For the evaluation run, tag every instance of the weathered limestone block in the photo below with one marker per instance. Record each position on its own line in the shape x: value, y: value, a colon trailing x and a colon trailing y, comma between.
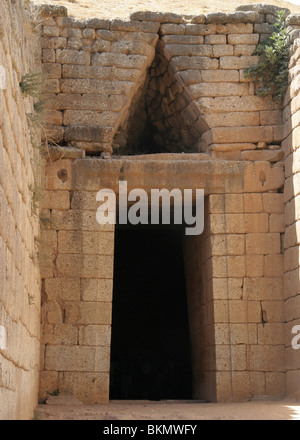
x: 196, y: 62
x: 97, y: 23
x: 172, y: 29
x: 62, y: 289
x: 134, y: 25
x: 86, y: 387
x: 273, y: 203
x: 121, y: 60
x: 104, y: 118
x: 48, y: 56
x: 71, y: 32
x: 53, y: 11
x: 231, y: 244
x: 58, y: 175
x: 200, y: 29
x: 53, y: 42
x: 94, y: 72
x: 233, y: 28
x: 222, y: 50
x: 190, y: 76
x: 50, y: 31
x: 97, y: 102
x: 268, y: 243
x: 94, y: 86
x: 96, y: 290
x: 233, y: 119
x: 218, y: 89
x: 217, y: 17
x: 262, y: 8
x: 87, y: 133
x: 161, y: 17
x: 56, y: 200
x: 271, y: 156
x: 52, y: 70
x: 243, y: 49
x: 234, y: 103
x: 67, y: 56
x: 91, y: 266
x: 172, y: 50
x: 77, y: 358
x: 245, y: 17
x: 70, y: 22
x: 273, y: 265
x: 243, y: 134
x: 98, y: 335
x: 219, y: 76
x: 251, y: 39
x: 262, y: 176
x: 257, y: 222
x: 75, y: 242
x: 183, y: 39
x: 215, y: 39
x: 132, y: 48
x: 237, y: 63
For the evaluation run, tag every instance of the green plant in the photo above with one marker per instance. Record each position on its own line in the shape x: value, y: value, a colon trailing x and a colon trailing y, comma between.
x: 31, y: 84
x: 271, y: 73
x: 54, y: 393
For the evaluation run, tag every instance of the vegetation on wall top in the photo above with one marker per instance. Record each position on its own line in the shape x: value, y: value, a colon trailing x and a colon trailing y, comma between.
x: 271, y: 73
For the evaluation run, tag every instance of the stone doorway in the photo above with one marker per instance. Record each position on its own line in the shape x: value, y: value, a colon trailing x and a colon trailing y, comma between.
x: 150, y: 349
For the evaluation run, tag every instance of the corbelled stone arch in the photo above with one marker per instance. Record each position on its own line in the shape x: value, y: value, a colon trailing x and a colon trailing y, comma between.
x: 162, y: 116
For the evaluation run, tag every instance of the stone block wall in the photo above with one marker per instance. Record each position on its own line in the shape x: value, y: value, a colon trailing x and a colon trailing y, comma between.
x: 247, y: 291
x: 198, y: 272
x: 77, y: 274
x: 19, y: 228
x: 291, y: 194
x: 109, y: 80
x: 155, y: 83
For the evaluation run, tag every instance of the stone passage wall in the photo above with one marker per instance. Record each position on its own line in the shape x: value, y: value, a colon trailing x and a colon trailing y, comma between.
x: 19, y: 275
x: 77, y: 274
x: 170, y: 77
x: 198, y: 254
x: 291, y: 114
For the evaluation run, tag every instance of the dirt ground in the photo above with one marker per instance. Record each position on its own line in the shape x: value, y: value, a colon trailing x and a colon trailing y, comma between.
x: 123, y: 8
x: 66, y: 408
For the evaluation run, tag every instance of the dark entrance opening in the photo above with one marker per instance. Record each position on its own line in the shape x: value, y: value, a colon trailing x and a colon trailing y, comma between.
x: 150, y: 349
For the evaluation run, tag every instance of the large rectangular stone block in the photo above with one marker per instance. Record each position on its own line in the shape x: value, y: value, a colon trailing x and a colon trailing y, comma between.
x: 95, y: 86
x: 218, y: 89
x: 263, y: 243
x: 68, y: 56
x: 220, y: 76
x: 172, y: 50
x: 97, y: 243
x: 233, y: 104
x: 86, y: 117
x: 62, y: 289
x: 87, y: 266
x: 263, y: 288
x: 96, y: 290
x: 120, y: 60
x: 196, y: 62
x: 243, y: 134
x: 89, y: 388
x: 68, y: 358
x: 98, y: 72
x: 98, y: 335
